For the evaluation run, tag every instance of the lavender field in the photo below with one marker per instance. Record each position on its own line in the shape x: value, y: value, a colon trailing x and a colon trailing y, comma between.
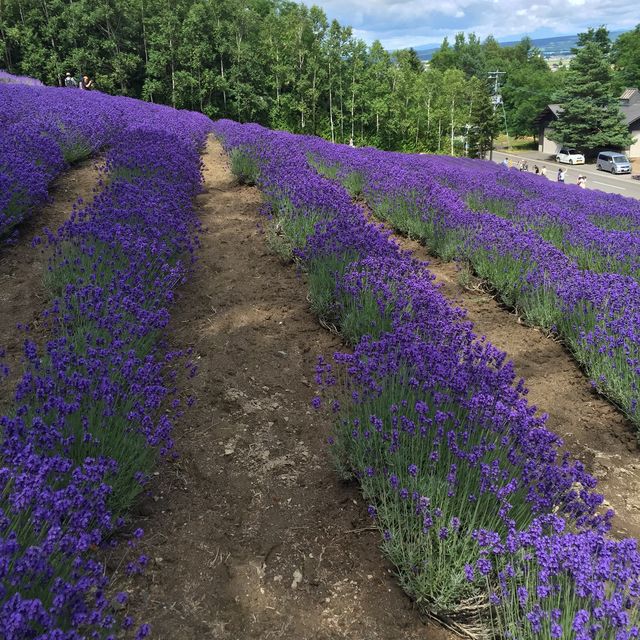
x: 491, y: 526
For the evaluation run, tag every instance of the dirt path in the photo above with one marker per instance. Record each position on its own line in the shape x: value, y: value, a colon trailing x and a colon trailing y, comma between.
x: 249, y: 533
x: 22, y: 293
x: 593, y: 430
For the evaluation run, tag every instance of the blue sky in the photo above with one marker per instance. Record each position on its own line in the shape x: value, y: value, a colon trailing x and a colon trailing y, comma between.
x: 410, y: 23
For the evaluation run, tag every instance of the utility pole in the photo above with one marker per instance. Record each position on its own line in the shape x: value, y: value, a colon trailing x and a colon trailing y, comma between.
x: 496, y: 99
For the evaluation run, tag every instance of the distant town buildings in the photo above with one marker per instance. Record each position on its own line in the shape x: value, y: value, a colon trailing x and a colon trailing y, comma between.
x: 556, y: 62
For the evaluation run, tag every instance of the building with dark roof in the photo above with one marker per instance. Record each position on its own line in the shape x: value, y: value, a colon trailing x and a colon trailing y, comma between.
x: 629, y: 106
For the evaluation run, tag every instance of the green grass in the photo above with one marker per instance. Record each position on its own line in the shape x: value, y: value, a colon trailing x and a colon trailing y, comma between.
x: 515, y: 144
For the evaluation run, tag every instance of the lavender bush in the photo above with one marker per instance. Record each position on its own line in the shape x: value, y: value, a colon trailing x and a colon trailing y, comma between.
x: 9, y: 78
x: 43, y: 130
x: 553, y: 583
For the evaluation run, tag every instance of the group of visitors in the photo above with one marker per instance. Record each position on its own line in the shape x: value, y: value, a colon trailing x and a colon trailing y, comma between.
x: 86, y: 82
x: 523, y: 165
x: 582, y: 180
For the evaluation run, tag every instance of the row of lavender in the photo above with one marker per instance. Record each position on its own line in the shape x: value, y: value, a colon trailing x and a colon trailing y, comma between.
x: 42, y: 131
x: 597, y: 314
x: 9, y: 78
x: 600, y: 230
x: 483, y: 516
x: 90, y: 416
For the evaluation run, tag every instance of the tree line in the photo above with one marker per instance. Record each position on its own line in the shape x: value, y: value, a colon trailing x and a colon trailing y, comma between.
x: 281, y: 64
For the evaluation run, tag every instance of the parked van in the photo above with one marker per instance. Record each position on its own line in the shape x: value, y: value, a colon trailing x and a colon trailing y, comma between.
x: 613, y: 161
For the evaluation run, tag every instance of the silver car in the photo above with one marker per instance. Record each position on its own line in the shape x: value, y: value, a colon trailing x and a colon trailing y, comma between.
x: 613, y: 161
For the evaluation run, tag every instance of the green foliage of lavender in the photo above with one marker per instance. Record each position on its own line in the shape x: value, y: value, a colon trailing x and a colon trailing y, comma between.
x: 321, y: 280
x: 244, y: 166
x: 287, y: 232
x: 354, y: 183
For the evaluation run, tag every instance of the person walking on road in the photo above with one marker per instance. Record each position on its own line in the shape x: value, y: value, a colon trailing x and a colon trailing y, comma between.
x: 561, y: 174
x: 582, y: 182
x: 543, y: 171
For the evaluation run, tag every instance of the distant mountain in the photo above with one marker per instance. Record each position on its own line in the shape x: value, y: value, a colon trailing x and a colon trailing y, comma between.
x: 556, y: 46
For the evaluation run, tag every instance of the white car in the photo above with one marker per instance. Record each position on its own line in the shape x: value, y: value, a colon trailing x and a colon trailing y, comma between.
x: 569, y: 156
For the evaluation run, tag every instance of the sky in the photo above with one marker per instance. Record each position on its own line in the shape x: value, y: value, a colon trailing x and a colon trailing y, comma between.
x: 411, y: 23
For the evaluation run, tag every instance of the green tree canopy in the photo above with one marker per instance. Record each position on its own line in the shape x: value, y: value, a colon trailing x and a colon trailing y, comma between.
x: 591, y: 118
x: 282, y: 64
x: 625, y: 56
x: 599, y: 37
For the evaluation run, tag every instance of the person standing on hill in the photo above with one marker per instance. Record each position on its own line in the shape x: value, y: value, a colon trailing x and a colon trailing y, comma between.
x: 86, y: 83
x: 70, y: 81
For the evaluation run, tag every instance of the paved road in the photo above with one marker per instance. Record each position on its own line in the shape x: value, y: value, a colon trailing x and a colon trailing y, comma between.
x: 625, y: 185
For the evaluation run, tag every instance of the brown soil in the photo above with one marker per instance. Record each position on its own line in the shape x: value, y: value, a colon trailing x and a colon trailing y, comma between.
x: 22, y: 293
x: 593, y: 430
x: 250, y: 534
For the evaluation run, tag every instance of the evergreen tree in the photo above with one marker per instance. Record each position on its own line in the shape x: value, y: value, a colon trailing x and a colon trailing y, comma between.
x: 483, y: 122
x: 599, y: 36
x: 591, y: 118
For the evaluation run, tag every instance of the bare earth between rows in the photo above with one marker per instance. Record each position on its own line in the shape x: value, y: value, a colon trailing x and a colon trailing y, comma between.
x: 250, y: 534
x: 23, y: 297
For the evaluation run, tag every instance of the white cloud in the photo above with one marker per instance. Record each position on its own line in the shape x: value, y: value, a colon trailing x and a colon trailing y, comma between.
x: 406, y: 23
